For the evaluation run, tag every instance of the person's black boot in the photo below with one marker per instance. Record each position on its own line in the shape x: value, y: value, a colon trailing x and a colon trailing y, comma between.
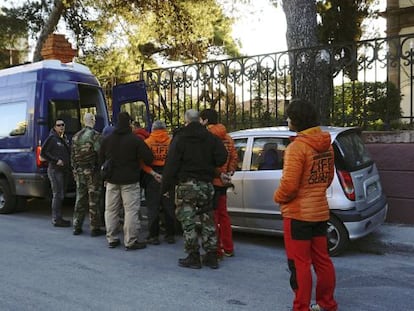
x: 97, y: 232
x: 210, y: 260
x: 191, y: 261
x: 60, y: 222
x: 77, y: 231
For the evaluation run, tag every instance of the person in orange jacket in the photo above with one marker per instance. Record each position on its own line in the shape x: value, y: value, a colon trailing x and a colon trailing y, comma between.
x: 221, y: 182
x: 139, y: 131
x: 159, y: 142
x: 308, y: 171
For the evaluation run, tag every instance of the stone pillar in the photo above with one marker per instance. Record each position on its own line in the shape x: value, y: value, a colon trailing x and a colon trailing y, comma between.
x: 58, y: 47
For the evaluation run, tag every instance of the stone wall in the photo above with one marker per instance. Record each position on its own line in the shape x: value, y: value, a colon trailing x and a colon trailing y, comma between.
x: 393, y: 153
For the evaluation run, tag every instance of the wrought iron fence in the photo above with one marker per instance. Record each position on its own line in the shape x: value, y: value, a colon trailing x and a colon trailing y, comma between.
x: 372, y: 85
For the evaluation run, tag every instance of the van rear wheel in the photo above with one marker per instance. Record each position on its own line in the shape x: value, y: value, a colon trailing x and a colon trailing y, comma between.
x: 7, y: 200
x: 338, y: 238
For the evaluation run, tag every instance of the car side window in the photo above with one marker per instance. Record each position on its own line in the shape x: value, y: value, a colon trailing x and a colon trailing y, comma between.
x: 267, y: 153
x: 16, y: 122
x: 240, y: 145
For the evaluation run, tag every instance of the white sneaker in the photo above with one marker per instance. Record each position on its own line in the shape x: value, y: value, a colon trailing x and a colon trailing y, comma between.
x: 315, y: 307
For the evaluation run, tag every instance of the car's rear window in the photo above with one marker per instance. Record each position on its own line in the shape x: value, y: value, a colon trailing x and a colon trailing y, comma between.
x: 350, y: 151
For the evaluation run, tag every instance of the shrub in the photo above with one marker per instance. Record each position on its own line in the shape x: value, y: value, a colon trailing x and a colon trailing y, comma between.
x: 370, y: 105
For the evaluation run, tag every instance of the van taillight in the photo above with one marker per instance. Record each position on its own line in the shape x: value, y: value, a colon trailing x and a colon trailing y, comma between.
x: 347, y: 184
x: 39, y: 162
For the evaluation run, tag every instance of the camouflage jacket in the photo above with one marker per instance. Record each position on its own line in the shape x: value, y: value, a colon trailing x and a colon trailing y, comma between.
x: 85, y: 148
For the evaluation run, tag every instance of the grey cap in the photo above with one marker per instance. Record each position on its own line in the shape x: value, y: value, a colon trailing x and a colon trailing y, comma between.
x: 158, y: 124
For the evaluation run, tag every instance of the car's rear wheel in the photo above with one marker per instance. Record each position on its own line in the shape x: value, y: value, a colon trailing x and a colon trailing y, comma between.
x: 338, y: 238
x: 8, y: 201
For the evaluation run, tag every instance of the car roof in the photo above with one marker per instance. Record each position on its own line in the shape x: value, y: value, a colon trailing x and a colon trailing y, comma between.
x: 284, y: 131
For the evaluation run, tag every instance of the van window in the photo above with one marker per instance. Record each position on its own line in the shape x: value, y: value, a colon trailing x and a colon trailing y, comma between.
x: 93, y: 101
x: 350, y: 152
x: 16, y: 121
x: 138, y: 112
x: 73, y: 111
x: 68, y: 111
x: 267, y: 153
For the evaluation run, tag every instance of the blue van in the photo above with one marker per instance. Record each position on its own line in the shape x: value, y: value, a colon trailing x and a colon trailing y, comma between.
x: 32, y: 96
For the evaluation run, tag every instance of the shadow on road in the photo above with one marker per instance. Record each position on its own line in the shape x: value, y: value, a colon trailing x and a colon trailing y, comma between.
x: 42, y: 207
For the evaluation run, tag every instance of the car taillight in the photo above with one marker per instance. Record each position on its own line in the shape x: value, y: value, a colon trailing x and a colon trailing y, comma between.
x: 347, y: 184
x: 39, y: 161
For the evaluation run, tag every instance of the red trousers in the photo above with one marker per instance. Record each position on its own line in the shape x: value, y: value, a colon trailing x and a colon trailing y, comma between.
x: 306, y: 246
x: 223, y: 226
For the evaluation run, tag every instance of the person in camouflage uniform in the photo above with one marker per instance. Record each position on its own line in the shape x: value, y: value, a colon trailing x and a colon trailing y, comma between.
x: 191, y: 163
x: 84, y: 158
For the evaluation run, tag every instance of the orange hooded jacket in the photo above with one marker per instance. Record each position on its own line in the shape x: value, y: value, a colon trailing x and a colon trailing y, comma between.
x: 308, y: 171
x: 159, y: 142
x: 231, y: 164
x: 141, y: 133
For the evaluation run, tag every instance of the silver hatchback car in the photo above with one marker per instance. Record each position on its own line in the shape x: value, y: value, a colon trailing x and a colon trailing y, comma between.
x: 357, y: 202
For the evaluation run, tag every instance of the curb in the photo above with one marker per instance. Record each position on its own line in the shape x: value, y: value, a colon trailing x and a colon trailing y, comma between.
x: 384, y: 247
x: 389, y: 238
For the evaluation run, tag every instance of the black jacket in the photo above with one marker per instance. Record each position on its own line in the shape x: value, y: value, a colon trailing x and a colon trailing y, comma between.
x: 55, y: 148
x: 126, y: 150
x: 194, y: 153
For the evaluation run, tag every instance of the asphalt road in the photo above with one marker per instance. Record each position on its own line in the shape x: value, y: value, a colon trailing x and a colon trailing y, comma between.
x: 47, y: 268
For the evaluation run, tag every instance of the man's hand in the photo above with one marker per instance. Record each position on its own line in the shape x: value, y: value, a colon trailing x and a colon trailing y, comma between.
x: 225, y: 178
x: 157, y: 177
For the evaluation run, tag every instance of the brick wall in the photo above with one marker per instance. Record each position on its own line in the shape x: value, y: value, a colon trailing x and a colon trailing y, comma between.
x: 393, y: 153
x: 58, y: 47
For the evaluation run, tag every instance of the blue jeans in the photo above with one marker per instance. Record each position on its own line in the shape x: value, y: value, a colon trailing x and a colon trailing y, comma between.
x: 58, y: 182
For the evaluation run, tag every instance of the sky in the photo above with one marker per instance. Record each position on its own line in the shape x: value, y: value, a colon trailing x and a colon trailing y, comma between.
x: 259, y: 26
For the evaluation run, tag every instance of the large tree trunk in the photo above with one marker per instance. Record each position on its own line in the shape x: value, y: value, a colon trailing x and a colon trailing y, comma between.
x: 311, y: 77
x: 49, y: 27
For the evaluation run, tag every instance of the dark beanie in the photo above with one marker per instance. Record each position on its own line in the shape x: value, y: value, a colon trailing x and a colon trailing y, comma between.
x: 124, y: 120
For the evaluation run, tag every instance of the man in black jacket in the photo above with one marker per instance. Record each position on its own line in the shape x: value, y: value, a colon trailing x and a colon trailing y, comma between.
x: 191, y: 164
x: 122, y: 186
x: 56, y: 151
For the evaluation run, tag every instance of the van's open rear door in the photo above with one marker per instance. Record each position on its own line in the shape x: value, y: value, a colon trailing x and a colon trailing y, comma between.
x: 132, y: 98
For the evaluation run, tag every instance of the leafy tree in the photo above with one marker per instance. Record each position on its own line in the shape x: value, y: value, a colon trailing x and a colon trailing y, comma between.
x: 133, y: 31
x: 311, y: 71
x: 171, y: 30
x: 311, y: 78
x: 12, y: 30
x: 370, y: 105
x: 340, y: 21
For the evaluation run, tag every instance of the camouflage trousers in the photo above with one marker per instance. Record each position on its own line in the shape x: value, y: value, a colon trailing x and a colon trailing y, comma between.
x: 88, y: 198
x: 192, y: 197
